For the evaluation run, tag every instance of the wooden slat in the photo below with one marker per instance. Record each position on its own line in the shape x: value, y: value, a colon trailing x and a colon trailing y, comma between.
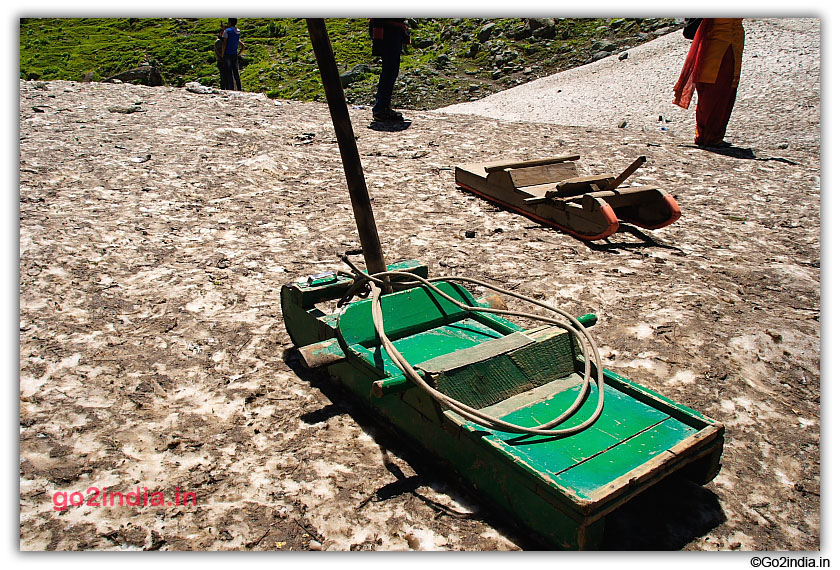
x: 581, y: 184
x: 542, y: 174
x: 526, y: 163
x: 481, y: 352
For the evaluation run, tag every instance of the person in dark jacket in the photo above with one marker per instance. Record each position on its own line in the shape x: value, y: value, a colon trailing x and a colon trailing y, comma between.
x: 231, y: 51
x: 388, y: 35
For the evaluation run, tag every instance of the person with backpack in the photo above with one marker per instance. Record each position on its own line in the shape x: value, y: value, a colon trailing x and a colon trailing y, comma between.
x: 232, y: 48
x: 219, y: 52
x: 713, y: 69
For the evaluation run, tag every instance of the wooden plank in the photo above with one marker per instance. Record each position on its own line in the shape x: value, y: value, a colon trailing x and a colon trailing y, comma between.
x: 404, y: 313
x: 496, y: 166
x: 322, y: 353
x: 623, y: 197
x: 428, y: 344
x: 573, y: 216
x: 478, y: 353
x: 579, y: 185
x: 603, y: 468
x: 484, y: 383
x: 622, y: 418
x: 543, y: 174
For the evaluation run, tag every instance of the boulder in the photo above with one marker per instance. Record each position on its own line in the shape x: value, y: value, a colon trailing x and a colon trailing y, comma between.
x: 357, y: 73
x: 548, y: 32
x: 486, y: 31
x: 598, y: 55
x: 144, y: 75
x: 521, y: 33
x: 422, y: 43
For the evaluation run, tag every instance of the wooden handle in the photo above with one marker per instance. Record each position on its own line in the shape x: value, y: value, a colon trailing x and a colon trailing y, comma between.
x: 627, y: 172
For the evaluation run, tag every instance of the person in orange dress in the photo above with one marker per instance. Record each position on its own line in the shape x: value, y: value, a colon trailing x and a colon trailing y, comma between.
x: 713, y: 68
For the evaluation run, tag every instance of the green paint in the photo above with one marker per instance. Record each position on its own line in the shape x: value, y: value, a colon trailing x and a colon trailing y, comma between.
x: 555, y: 487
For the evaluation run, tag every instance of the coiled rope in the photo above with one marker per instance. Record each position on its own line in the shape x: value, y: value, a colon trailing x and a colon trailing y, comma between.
x: 584, y: 340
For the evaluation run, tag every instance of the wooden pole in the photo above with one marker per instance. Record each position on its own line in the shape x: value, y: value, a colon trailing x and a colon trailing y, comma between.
x: 359, y: 197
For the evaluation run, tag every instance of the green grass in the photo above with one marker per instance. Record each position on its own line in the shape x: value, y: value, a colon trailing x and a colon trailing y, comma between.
x: 279, y: 59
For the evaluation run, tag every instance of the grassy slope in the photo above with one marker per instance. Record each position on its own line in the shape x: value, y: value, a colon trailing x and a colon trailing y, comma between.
x: 445, y: 64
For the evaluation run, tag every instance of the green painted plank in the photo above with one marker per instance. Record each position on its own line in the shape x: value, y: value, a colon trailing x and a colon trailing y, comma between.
x: 487, y: 382
x: 547, y: 360
x: 429, y: 344
x: 622, y: 418
x: 404, y: 313
x: 684, y: 413
x: 601, y: 469
x: 484, y: 383
x: 475, y: 354
x: 445, y: 339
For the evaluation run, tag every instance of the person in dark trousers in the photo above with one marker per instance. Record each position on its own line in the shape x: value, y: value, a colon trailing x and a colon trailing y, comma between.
x: 232, y: 48
x: 218, y: 51
x: 388, y: 35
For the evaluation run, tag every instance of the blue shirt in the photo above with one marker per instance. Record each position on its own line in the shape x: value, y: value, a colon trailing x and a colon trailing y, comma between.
x: 232, y: 35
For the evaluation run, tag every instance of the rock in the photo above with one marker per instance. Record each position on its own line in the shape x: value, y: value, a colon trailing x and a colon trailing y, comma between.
x: 537, y: 23
x: 598, y: 55
x: 521, y: 33
x: 486, y: 31
x: 422, y: 43
x: 413, y: 541
x: 127, y: 110
x: 442, y: 61
x: 622, y: 124
x: 196, y: 87
x: 603, y: 45
x: 144, y: 75
x: 547, y: 32
x: 622, y: 56
x: 356, y: 74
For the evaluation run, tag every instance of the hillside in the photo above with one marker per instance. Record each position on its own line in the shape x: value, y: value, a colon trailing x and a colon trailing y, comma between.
x: 450, y: 60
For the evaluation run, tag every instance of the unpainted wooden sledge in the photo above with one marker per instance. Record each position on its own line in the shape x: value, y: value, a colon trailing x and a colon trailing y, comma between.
x: 550, y: 191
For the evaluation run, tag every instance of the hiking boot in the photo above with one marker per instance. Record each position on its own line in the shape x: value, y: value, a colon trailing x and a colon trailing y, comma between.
x: 388, y: 116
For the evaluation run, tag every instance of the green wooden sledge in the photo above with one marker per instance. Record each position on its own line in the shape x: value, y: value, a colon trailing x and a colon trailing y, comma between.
x: 558, y: 488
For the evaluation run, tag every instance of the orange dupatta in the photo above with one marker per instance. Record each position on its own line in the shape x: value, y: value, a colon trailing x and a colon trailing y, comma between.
x: 684, y: 89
